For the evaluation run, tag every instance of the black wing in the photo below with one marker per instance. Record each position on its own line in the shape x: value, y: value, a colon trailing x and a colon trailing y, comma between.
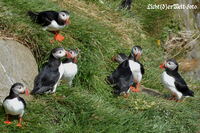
x: 181, y: 86
x: 122, y: 70
x: 141, y: 68
x: 45, y: 18
x: 23, y: 101
x: 45, y: 80
x: 122, y: 77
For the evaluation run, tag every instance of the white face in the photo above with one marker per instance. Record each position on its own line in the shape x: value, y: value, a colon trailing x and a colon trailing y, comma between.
x: 136, y: 51
x: 60, y: 53
x: 170, y: 65
x: 19, y: 89
x: 73, y: 53
x: 63, y: 16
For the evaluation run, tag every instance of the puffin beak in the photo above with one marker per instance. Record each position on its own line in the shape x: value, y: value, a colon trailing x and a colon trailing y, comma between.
x: 26, y: 92
x: 68, y: 54
x: 67, y: 22
x: 162, y: 66
x: 138, y: 56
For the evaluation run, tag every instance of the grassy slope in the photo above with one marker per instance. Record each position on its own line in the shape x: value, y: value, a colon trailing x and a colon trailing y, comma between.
x: 100, y: 32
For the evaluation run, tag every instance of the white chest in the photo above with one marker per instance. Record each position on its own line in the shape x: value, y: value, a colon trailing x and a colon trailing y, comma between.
x: 61, y: 70
x: 169, y: 83
x: 13, y: 106
x: 70, y: 70
x: 136, y: 71
x: 54, y: 26
x: 167, y: 80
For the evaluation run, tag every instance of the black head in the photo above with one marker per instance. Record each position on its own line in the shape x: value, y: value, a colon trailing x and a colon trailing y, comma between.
x: 17, y: 88
x: 136, y: 52
x: 66, y: 12
x: 58, y: 52
x: 170, y: 65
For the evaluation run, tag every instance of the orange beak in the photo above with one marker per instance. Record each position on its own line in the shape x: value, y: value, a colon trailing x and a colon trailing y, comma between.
x: 26, y: 92
x: 68, y: 55
x: 67, y: 22
x: 162, y: 66
x: 138, y: 56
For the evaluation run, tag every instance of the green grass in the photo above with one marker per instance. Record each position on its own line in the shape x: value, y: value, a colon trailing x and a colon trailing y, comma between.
x: 89, y: 106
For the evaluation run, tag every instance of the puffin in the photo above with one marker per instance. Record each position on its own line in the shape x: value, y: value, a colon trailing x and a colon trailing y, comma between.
x: 51, y: 21
x: 13, y: 104
x: 173, y: 81
x: 126, y: 4
x: 47, y: 79
x: 70, y: 66
x: 128, y: 74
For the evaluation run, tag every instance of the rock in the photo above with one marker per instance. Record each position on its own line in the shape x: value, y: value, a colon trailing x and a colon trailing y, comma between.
x: 17, y: 64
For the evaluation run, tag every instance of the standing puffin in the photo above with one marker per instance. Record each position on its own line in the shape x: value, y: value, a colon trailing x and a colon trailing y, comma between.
x: 173, y: 81
x: 70, y: 66
x: 13, y: 104
x: 128, y: 73
x: 47, y: 80
x: 52, y: 21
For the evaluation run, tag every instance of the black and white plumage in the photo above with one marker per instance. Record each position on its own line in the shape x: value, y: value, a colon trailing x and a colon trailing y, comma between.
x: 129, y: 72
x: 173, y: 81
x: 13, y: 104
x: 126, y: 4
x: 47, y: 79
x: 51, y: 20
x: 70, y: 66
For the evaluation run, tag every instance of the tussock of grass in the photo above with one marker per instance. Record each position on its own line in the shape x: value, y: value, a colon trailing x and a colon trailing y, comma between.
x: 99, y: 32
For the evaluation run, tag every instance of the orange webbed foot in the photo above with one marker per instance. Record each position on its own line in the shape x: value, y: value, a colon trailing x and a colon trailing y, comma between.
x: 59, y: 37
x: 7, y: 122
x: 133, y: 89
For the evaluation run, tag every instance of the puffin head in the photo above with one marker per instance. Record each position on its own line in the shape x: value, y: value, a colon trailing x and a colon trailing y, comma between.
x: 170, y: 65
x: 136, y: 52
x: 73, y: 54
x: 64, y: 16
x: 18, y: 88
x: 58, y: 52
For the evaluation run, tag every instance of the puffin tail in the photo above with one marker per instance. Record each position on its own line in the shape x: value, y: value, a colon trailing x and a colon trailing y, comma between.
x: 33, y: 15
x: 190, y: 93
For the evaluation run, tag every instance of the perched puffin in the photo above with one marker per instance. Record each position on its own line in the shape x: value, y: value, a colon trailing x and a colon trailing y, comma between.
x: 128, y: 74
x: 13, y: 104
x: 47, y: 80
x: 70, y: 66
x: 52, y: 21
x: 173, y: 81
x: 121, y: 57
